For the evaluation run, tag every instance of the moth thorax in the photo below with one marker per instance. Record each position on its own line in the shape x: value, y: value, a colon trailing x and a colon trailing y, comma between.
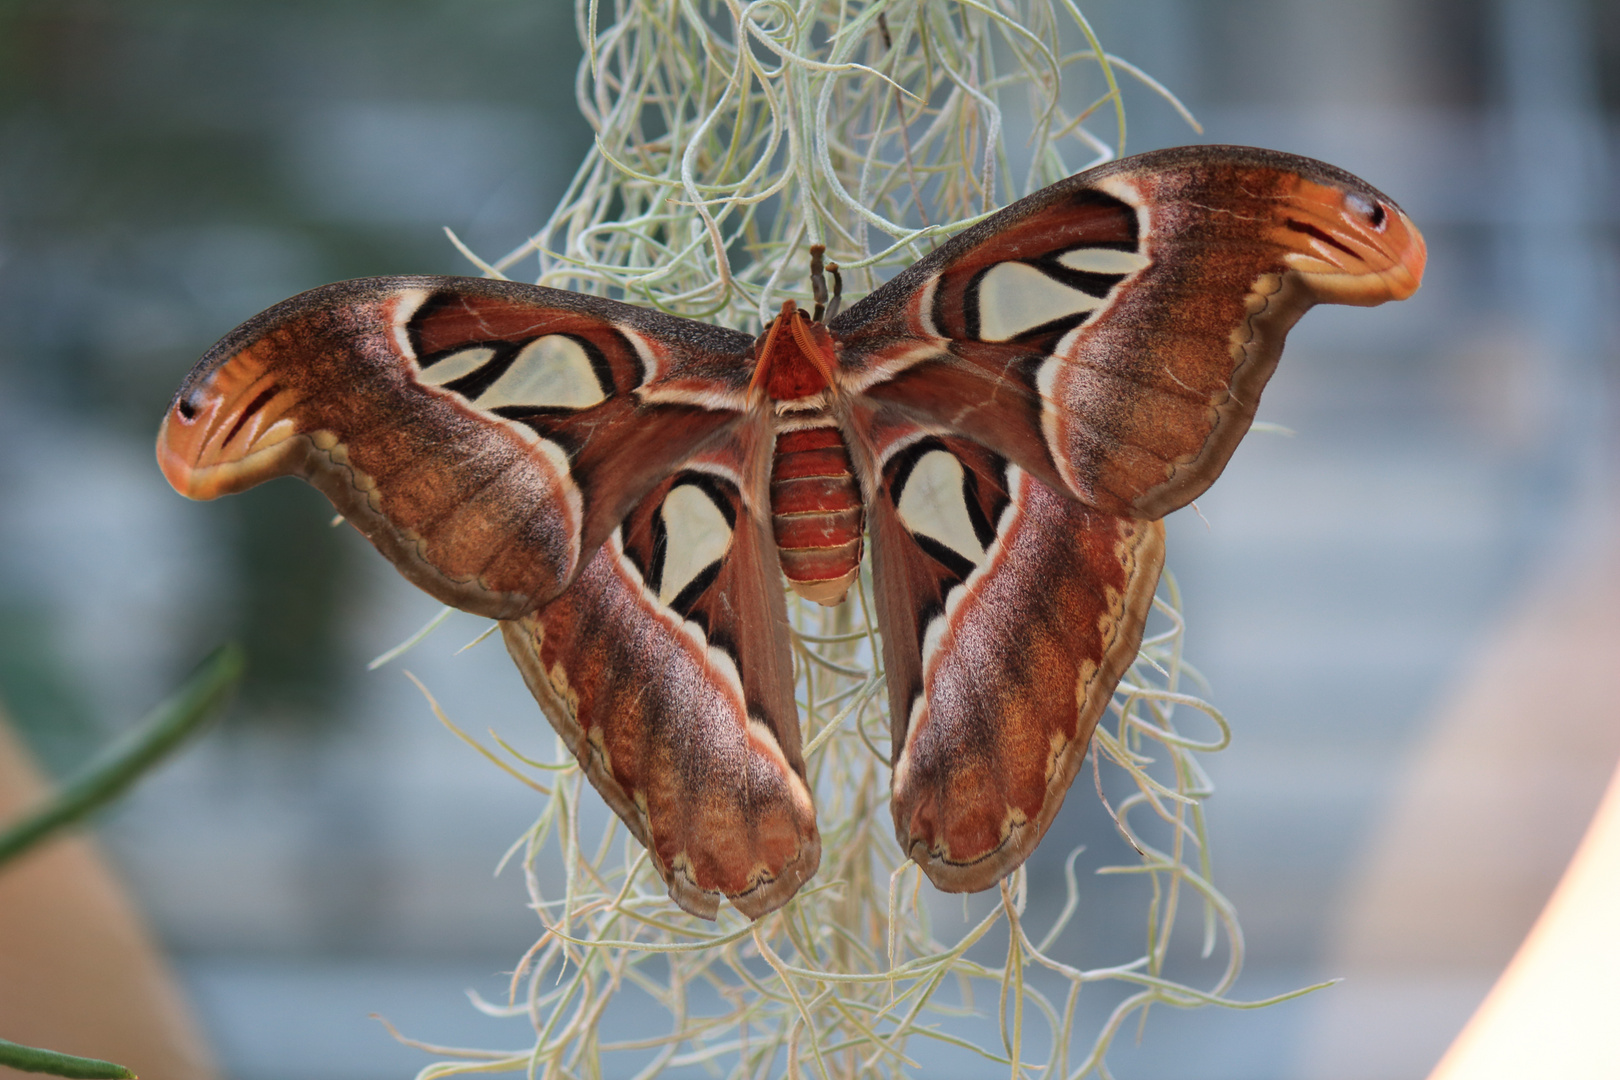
x: 794, y: 358
x: 816, y: 513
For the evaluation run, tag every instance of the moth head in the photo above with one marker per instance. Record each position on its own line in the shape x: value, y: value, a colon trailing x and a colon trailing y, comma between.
x: 1348, y: 242
x: 795, y: 357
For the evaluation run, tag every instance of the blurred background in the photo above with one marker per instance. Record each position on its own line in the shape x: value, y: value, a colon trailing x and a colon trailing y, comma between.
x: 168, y: 169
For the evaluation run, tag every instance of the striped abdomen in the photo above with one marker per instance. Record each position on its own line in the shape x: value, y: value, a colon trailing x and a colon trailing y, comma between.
x: 816, y: 513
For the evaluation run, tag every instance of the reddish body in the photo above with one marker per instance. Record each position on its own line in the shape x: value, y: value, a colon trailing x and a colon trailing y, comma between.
x: 815, y: 499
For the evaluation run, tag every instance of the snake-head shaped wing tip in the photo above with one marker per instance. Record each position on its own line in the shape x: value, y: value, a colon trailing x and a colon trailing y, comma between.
x: 479, y: 509
x: 1349, y: 242
x: 229, y: 427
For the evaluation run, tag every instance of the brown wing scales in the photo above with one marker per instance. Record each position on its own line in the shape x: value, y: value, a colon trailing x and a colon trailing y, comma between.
x: 1000, y: 661
x: 672, y: 683
x: 1019, y: 408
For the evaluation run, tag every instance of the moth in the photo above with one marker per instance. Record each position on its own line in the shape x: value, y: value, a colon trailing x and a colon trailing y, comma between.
x: 1003, y: 425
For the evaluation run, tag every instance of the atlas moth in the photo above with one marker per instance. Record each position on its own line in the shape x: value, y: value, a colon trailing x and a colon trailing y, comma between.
x: 1002, y: 426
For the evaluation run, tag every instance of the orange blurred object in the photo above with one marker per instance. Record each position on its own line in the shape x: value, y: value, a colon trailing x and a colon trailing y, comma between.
x: 79, y: 973
x: 1552, y: 1013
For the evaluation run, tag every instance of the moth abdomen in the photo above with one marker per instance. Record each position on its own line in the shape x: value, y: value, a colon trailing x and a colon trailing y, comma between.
x: 816, y: 513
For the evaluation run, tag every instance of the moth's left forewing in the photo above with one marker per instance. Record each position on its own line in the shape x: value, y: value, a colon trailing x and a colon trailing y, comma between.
x: 1009, y: 613
x: 486, y: 436
x: 1143, y: 407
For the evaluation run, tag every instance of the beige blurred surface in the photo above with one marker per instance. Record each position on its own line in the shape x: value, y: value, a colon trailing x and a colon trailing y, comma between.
x: 1553, y: 1011
x: 1487, y: 816
x: 78, y: 970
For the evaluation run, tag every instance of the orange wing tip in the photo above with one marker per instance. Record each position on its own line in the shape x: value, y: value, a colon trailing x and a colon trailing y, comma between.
x: 954, y: 874
x: 228, y: 432
x: 1351, y: 246
x: 766, y: 891
x: 195, y: 476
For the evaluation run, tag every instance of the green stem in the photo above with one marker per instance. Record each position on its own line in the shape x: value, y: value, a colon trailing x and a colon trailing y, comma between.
x: 32, y: 1059
x: 130, y: 757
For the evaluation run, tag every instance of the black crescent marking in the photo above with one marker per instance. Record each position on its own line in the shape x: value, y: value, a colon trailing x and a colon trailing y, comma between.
x: 247, y: 414
x: 719, y: 491
x: 970, y: 304
x: 653, y: 572
x: 904, y: 462
x: 683, y: 601
x: 1090, y: 282
x: 475, y: 382
x: 959, y: 565
x: 1317, y: 234
x: 599, y: 361
x: 436, y: 302
x: 984, y: 525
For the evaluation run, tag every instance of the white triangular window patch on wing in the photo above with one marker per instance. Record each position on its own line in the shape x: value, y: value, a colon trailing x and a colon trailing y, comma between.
x: 550, y: 372
x: 448, y: 369
x: 933, y: 503
x: 1090, y: 260
x: 1015, y: 297
x: 695, y: 535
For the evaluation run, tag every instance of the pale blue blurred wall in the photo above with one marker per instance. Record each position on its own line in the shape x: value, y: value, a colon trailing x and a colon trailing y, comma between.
x: 167, y: 170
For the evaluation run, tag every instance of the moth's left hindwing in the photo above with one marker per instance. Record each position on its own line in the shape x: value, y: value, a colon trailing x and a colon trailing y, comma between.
x: 666, y: 668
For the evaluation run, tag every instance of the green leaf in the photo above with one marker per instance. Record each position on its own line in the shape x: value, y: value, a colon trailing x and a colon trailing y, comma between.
x: 131, y: 757
x: 49, y: 1062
